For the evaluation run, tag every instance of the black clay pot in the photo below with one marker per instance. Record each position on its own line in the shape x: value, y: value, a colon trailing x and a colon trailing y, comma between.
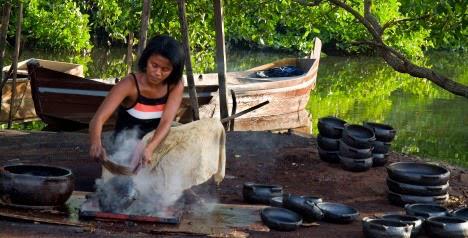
x: 358, y: 136
x: 355, y: 153
x: 260, y: 193
x: 276, y: 201
x: 384, y: 228
x: 461, y: 213
x: 402, y: 199
x: 446, y: 227
x: 327, y: 143
x: 382, y: 132
x: 379, y: 159
x: 414, y: 221
x: 328, y: 156
x: 380, y: 147
x: 280, y: 219
x: 35, y: 185
x: 337, y: 212
x: 418, y: 173
x: 331, y: 127
x: 303, y: 206
x: 425, y: 210
x: 355, y: 165
x: 417, y: 190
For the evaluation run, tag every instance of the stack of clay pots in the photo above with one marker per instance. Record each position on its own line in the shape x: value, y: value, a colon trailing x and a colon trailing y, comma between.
x: 416, y: 182
x: 330, y: 132
x: 384, y: 135
x: 356, y: 146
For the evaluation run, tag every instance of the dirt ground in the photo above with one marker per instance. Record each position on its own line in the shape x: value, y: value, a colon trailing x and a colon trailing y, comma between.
x: 287, y: 159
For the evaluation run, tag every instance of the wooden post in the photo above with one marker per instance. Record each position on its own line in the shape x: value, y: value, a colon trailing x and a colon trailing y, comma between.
x: 129, y: 52
x: 3, y: 33
x: 145, y: 15
x: 221, y: 58
x: 188, y: 60
x: 15, y: 62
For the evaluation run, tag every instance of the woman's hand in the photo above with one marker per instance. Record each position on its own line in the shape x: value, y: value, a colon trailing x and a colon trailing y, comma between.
x: 97, y: 152
x: 148, y: 154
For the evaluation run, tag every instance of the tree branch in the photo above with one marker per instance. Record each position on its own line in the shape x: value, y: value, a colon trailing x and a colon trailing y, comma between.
x: 398, y: 21
x: 393, y: 57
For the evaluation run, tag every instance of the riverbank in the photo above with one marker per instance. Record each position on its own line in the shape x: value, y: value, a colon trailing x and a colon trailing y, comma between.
x: 287, y: 159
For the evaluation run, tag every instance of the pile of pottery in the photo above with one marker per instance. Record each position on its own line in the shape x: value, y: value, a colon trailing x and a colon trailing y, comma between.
x: 384, y: 135
x: 328, y: 140
x: 412, y: 182
x: 356, y: 147
x: 431, y: 219
x: 288, y: 212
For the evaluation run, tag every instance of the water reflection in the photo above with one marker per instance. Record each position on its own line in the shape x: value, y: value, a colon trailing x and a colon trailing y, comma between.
x: 429, y: 122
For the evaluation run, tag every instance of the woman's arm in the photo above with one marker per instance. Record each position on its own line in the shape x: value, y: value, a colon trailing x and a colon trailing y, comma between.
x: 116, y: 95
x: 170, y: 111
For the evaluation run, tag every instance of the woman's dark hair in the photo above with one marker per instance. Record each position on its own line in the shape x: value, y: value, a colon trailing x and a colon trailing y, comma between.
x: 169, y: 48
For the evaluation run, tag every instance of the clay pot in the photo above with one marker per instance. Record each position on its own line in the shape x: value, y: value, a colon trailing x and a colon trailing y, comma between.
x: 35, y: 185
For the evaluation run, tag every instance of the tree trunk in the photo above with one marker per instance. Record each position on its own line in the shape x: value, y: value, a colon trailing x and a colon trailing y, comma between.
x: 15, y: 63
x: 3, y: 33
x: 145, y: 15
x: 129, y: 52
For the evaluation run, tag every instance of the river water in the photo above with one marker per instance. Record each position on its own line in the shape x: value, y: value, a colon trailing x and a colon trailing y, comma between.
x: 430, y: 123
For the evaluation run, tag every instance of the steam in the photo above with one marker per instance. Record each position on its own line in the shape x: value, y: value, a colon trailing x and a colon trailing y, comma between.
x: 157, y: 191
x: 123, y: 147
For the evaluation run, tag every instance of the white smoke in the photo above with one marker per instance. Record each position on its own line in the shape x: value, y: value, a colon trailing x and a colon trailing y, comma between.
x: 159, y: 189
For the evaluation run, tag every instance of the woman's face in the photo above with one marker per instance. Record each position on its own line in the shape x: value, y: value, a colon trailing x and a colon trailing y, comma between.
x: 158, y: 68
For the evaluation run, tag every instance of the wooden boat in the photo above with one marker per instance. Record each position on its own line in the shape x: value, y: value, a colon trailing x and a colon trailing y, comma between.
x: 287, y: 96
x: 67, y: 102
x: 24, y: 105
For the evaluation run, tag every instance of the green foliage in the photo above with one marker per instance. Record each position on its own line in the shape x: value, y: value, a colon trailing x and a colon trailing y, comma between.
x: 25, y: 126
x: 446, y: 20
x: 280, y: 24
x: 57, y: 25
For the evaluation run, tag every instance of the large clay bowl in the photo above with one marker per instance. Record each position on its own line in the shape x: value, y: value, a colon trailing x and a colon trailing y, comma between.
x: 35, y: 185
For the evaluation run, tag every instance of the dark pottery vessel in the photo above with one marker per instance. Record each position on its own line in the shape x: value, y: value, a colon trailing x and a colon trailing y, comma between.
x: 303, y: 206
x: 280, y: 219
x: 358, y: 136
x: 402, y: 199
x: 35, y: 185
x: 385, y: 228
x: 327, y: 143
x: 417, y: 190
x: 337, y: 212
x: 331, y: 127
x: 414, y: 221
x: 425, y: 210
x: 355, y: 165
x: 260, y: 193
x: 461, y: 213
x: 329, y: 156
x: 446, y: 227
x: 379, y: 159
x: 418, y: 173
x: 382, y: 132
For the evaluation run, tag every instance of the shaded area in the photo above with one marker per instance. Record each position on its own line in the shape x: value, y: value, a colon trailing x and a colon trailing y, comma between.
x: 290, y: 160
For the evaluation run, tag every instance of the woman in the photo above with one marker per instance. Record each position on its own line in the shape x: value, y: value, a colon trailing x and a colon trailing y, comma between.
x: 147, y: 100
x: 177, y: 158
